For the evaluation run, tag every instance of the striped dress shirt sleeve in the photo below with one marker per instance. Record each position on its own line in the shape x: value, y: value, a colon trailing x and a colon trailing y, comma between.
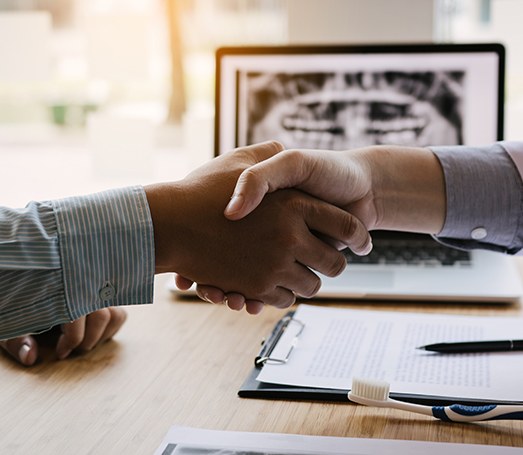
x: 63, y: 259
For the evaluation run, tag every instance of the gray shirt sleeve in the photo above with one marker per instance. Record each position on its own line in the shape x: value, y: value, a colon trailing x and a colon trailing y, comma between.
x: 484, y: 194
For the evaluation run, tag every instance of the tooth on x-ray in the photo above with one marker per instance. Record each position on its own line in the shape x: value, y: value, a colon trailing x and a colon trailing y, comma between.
x: 347, y: 110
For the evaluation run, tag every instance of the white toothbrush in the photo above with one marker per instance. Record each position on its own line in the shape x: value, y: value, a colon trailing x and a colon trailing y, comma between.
x: 376, y: 393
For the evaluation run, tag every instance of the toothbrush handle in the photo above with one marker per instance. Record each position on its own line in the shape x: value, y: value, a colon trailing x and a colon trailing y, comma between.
x: 463, y: 413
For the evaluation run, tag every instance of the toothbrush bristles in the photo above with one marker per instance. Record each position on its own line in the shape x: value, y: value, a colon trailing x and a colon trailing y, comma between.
x: 370, y: 389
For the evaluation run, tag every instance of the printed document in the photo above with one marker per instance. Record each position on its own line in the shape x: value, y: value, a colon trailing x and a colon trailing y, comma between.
x: 334, y: 345
x: 195, y: 441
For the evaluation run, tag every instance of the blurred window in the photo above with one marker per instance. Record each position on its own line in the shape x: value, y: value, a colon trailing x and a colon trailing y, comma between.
x: 123, y: 54
x: 490, y: 21
x: 117, y: 54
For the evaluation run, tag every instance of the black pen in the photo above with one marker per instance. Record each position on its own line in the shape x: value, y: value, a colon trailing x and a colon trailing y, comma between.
x: 474, y: 346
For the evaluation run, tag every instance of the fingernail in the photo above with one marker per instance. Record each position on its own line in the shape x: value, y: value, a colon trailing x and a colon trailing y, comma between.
x: 23, y: 353
x: 206, y: 297
x: 226, y: 302
x: 235, y: 204
x: 367, y: 249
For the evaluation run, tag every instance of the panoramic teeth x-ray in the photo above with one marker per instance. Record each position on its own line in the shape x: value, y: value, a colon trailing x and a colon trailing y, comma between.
x: 348, y: 110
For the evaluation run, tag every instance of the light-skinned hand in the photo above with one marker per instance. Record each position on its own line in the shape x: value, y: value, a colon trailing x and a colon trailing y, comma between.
x: 80, y: 336
x: 386, y: 187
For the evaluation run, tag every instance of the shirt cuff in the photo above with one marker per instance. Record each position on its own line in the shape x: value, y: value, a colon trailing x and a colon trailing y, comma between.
x: 107, y: 249
x: 484, y: 198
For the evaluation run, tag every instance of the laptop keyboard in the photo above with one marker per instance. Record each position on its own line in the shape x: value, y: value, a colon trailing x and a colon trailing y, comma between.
x: 421, y: 253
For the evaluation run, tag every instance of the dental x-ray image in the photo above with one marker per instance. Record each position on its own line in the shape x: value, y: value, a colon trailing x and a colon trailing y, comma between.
x: 343, y: 110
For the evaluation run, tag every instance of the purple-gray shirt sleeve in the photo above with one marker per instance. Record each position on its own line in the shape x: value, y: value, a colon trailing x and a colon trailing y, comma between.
x: 484, y: 192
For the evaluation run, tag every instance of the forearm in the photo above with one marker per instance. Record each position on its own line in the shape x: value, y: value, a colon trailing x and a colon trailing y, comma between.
x: 408, y: 189
x: 62, y: 259
x: 468, y: 197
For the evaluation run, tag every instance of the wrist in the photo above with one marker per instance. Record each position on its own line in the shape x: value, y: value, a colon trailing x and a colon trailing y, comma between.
x: 408, y: 189
x: 164, y: 199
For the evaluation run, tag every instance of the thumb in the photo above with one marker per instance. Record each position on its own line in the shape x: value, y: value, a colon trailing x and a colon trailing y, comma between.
x: 24, y: 349
x: 284, y: 170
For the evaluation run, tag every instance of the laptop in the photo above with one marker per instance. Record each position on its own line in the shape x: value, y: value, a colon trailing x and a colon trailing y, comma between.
x: 342, y: 97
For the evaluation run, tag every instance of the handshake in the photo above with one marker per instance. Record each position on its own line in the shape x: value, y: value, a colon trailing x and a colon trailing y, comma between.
x: 254, y: 227
x: 289, y: 215
x: 264, y: 244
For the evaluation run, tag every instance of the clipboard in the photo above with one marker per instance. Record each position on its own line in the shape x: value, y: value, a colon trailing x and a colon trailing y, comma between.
x: 252, y: 388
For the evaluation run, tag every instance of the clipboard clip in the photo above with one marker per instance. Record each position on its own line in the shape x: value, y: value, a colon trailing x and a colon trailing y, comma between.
x: 268, y: 345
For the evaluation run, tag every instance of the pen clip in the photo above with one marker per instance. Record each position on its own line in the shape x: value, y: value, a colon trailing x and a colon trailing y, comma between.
x: 265, y: 355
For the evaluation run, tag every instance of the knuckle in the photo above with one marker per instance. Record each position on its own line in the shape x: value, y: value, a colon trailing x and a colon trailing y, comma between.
x: 74, y: 339
x: 338, y: 266
x: 349, y: 226
x: 302, y: 165
x: 363, y: 244
x: 288, y: 238
x: 293, y: 241
x: 293, y: 154
x: 356, y: 233
x: 285, y: 240
x: 250, y: 176
x: 285, y: 301
x: 277, y: 145
x: 289, y: 206
x: 279, y: 298
x: 314, y: 287
x: 102, y: 316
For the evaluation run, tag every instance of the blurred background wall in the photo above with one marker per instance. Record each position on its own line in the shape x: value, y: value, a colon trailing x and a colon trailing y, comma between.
x: 154, y: 59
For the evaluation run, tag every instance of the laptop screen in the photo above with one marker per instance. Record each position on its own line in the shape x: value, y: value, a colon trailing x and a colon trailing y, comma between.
x: 342, y: 97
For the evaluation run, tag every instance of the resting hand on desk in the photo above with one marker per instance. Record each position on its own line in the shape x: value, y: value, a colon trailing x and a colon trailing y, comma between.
x: 81, y: 335
x: 269, y: 256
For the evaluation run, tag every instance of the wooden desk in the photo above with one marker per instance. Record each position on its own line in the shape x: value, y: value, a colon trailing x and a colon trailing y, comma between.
x: 182, y: 363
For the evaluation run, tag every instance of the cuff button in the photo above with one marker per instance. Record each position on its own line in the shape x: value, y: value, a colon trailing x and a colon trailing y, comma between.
x: 478, y: 233
x: 107, y: 292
